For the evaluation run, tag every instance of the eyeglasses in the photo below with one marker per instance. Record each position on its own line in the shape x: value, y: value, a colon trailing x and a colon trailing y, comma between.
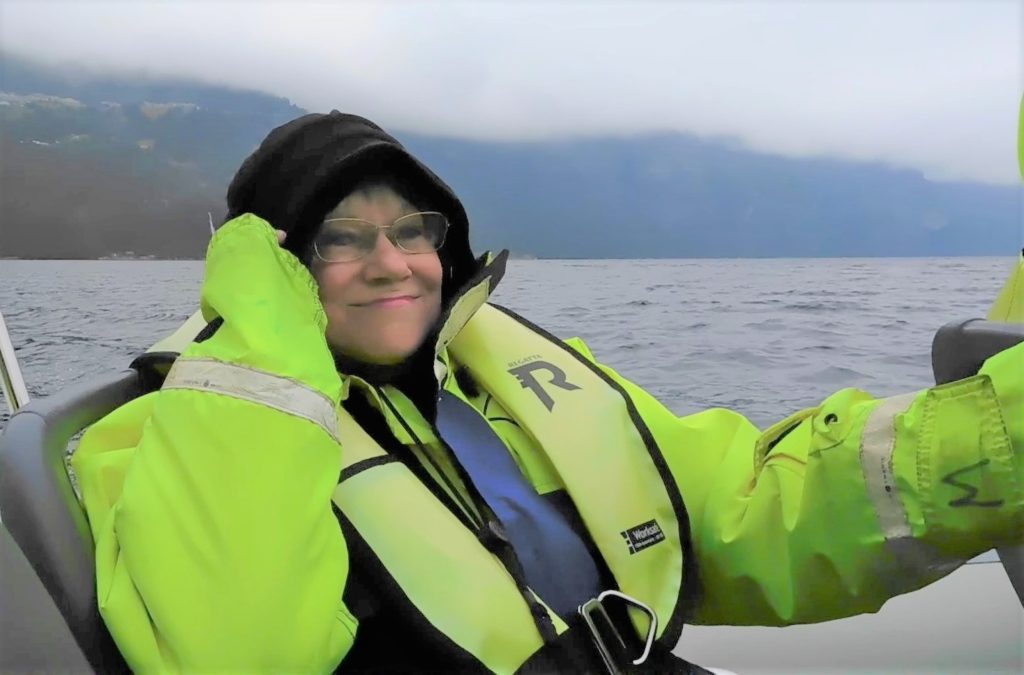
x: 349, y: 239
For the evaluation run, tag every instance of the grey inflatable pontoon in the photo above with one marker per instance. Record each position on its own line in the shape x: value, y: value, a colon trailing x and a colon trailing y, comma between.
x: 45, y: 527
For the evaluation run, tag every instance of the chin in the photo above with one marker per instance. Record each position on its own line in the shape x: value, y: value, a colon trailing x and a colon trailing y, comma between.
x: 388, y: 357
x: 388, y: 348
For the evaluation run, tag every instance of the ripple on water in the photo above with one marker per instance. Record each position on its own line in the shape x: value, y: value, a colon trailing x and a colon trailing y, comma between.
x: 772, y: 324
x: 818, y: 348
x: 832, y: 374
x: 823, y: 306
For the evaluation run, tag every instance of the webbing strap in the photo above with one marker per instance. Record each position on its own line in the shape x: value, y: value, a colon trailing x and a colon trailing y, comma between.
x: 555, y: 560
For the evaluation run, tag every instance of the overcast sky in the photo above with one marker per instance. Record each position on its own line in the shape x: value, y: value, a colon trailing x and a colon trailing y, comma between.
x: 932, y: 85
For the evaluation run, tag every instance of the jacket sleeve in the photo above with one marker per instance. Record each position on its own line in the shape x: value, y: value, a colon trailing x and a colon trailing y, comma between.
x: 837, y: 508
x: 219, y: 552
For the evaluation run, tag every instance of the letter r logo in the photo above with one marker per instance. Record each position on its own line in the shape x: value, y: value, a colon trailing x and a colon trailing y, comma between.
x: 526, y: 377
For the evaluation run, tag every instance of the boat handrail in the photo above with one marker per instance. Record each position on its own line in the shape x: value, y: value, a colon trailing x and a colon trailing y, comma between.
x: 12, y: 384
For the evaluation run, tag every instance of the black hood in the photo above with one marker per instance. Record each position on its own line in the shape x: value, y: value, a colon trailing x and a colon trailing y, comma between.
x: 303, y: 168
x: 300, y: 172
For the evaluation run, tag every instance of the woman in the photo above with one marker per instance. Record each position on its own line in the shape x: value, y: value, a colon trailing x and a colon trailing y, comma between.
x: 362, y: 464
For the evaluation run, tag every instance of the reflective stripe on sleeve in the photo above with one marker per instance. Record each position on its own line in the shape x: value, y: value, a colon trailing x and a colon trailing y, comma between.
x: 255, y: 386
x: 876, y: 448
x: 914, y: 560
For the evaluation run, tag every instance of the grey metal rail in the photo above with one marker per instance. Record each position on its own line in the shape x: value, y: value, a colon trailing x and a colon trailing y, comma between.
x: 12, y: 384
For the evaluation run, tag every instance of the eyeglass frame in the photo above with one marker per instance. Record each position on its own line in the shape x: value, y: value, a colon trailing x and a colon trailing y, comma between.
x: 444, y: 234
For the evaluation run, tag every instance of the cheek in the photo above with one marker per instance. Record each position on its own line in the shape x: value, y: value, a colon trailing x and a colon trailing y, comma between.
x: 430, y: 272
x: 333, y: 285
x: 431, y: 276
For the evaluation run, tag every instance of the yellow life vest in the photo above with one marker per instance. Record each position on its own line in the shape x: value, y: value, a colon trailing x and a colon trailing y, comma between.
x: 611, y: 467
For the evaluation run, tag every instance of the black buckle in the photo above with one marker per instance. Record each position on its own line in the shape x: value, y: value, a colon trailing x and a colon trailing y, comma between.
x: 599, y: 632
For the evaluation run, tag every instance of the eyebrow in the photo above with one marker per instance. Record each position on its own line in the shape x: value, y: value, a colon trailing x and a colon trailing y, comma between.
x: 330, y: 217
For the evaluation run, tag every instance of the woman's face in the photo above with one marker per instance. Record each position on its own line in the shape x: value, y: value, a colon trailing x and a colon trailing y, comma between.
x: 380, y: 307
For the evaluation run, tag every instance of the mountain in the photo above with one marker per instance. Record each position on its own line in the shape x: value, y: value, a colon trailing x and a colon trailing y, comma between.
x: 93, y: 167
x: 674, y: 195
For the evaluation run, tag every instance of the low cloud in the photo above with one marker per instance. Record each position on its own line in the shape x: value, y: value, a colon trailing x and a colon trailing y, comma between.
x: 932, y: 86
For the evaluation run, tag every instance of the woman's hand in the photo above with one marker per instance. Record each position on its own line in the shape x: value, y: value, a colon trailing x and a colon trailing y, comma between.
x: 273, y: 318
x: 281, y: 236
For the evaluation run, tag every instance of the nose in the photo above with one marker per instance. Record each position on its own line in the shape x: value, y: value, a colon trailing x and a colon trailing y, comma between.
x: 386, y: 261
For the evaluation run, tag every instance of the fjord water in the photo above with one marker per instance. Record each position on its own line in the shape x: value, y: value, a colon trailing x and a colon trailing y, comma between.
x: 765, y: 337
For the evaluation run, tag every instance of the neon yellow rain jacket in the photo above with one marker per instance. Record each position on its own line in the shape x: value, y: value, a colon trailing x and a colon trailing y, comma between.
x: 217, y: 548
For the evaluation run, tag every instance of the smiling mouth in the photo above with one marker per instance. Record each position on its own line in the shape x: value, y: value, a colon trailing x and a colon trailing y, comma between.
x: 397, y: 301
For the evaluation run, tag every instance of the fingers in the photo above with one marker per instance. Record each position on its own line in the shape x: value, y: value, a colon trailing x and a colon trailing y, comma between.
x: 281, y: 235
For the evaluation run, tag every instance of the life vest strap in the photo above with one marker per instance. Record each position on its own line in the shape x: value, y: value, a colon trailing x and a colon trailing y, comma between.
x: 554, y: 558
